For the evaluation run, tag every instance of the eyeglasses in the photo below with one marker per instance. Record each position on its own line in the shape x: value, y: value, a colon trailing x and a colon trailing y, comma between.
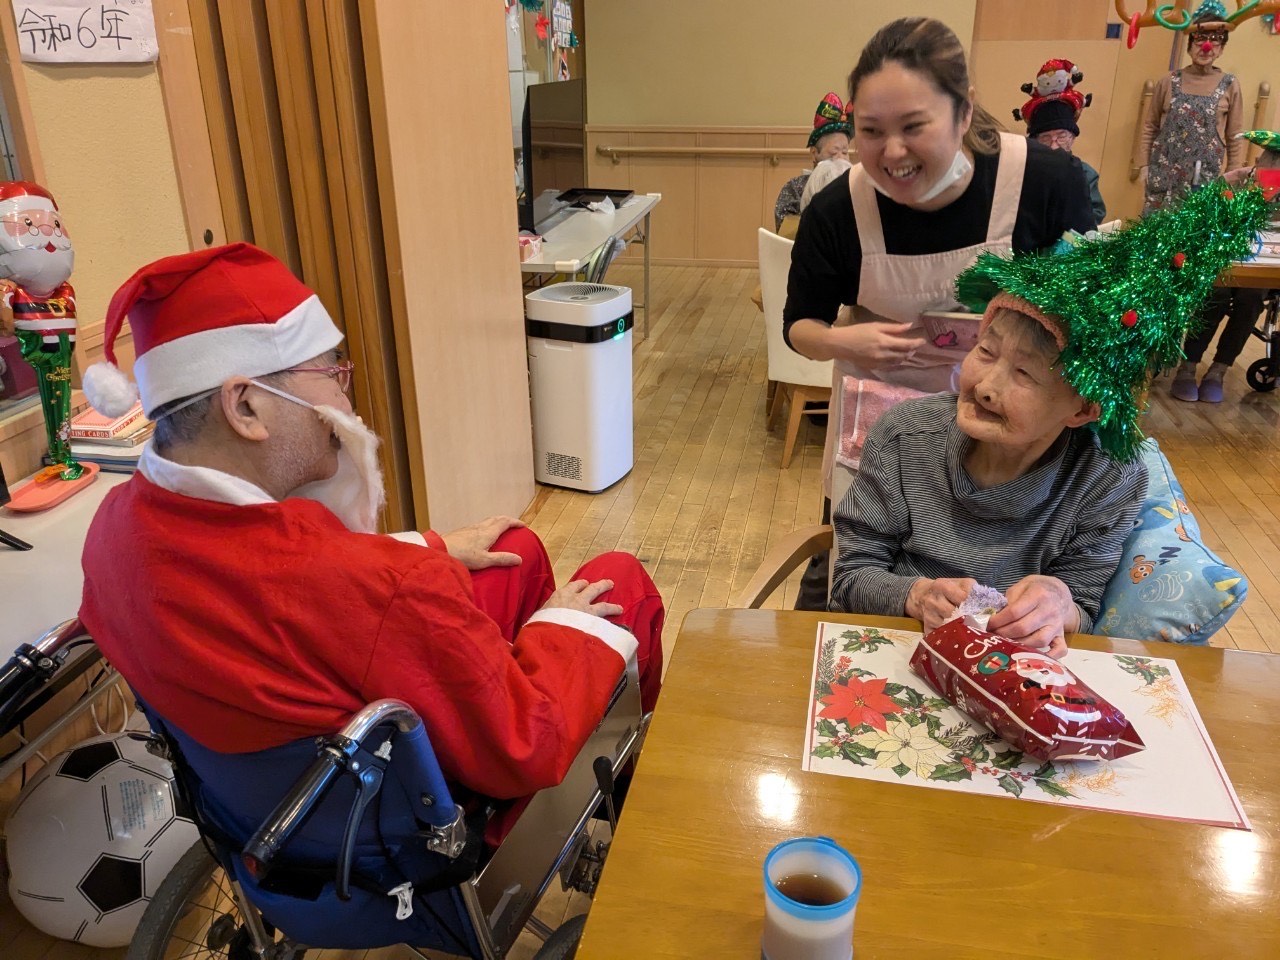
x: 1053, y: 138
x: 339, y: 371
x: 1218, y: 37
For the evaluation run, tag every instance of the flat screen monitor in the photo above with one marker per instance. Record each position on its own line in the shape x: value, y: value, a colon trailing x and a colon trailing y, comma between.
x: 554, y: 146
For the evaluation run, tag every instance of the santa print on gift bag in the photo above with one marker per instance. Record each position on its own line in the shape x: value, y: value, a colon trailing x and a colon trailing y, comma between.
x: 1029, y: 699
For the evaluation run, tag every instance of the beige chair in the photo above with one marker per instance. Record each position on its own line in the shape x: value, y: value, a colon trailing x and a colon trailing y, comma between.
x: 792, y: 377
x: 783, y: 558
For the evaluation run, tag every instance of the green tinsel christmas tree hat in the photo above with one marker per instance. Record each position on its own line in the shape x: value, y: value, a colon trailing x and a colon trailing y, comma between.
x: 1120, y: 304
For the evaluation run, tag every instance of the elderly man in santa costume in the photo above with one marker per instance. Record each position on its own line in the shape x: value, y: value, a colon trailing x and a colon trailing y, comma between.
x: 237, y: 583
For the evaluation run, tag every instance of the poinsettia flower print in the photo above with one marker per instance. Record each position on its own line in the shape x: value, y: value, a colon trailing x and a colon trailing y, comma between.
x: 907, y: 746
x: 857, y: 702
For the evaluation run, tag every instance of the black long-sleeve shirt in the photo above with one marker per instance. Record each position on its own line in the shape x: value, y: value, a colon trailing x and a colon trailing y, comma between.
x: 827, y: 256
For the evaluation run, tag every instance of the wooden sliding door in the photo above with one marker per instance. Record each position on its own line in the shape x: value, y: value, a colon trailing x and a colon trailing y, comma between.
x: 287, y: 105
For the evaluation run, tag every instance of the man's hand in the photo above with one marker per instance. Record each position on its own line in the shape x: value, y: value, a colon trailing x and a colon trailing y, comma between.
x: 1039, y: 615
x: 874, y: 344
x: 471, y: 544
x: 581, y: 595
x: 933, y: 602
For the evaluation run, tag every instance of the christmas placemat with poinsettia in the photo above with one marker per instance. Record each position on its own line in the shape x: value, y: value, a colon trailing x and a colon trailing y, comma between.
x: 870, y: 716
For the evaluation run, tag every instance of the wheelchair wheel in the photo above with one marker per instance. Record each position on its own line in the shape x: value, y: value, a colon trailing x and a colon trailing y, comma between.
x: 1260, y: 377
x: 195, y: 916
x: 563, y: 942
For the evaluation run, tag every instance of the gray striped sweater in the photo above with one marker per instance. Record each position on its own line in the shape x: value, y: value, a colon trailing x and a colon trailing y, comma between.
x: 914, y: 512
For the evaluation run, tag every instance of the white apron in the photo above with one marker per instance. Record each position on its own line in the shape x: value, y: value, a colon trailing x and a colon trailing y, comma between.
x: 901, y: 288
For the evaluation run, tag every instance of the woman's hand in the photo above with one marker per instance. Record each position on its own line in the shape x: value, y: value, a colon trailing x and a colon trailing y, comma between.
x: 581, y: 595
x: 1238, y: 176
x: 933, y: 602
x: 1039, y: 615
x: 873, y: 344
x: 471, y: 544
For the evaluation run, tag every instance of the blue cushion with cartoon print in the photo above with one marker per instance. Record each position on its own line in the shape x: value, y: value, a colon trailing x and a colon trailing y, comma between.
x: 1169, y: 586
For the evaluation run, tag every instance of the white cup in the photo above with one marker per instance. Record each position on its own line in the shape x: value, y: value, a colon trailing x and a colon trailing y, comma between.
x: 814, y: 922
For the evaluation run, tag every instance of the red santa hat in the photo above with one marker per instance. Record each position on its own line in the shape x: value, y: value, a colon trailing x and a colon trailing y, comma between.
x: 199, y: 319
x: 11, y: 189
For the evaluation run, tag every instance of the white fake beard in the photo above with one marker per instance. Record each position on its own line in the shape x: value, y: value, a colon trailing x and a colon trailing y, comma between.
x: 36, y: 270
x: 355, y: 492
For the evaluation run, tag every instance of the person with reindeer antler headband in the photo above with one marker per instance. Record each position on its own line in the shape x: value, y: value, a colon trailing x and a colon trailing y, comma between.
x: 1188, y: 134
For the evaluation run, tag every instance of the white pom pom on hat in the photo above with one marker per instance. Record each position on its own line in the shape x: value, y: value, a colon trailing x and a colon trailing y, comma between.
x: 109, y: 391
x: 199, y: 319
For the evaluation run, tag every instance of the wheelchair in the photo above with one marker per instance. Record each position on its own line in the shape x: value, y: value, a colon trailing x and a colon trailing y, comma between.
x: 355, y: 841
x: 1263, y: 373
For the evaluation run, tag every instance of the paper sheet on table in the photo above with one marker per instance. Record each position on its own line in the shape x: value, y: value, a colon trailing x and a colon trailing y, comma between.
x: 870, y: 716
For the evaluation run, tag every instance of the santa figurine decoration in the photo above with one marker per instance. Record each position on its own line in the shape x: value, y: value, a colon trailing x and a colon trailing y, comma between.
x: 1055, y: 80
x: 39, y: 305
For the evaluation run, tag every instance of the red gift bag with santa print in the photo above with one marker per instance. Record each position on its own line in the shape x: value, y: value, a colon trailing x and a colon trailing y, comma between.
x: 1025, y: 696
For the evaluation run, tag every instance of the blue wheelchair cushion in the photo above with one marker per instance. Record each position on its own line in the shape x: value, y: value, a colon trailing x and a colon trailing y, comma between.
x: 1169, y: 585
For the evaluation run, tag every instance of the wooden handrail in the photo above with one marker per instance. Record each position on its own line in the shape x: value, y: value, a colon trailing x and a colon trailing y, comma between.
x: 773, y: 154
x: 1136, y: 162
x: 1259, y: 115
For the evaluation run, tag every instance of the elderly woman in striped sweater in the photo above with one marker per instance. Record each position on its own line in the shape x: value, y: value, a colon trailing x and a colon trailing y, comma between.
x: 1029, y: 478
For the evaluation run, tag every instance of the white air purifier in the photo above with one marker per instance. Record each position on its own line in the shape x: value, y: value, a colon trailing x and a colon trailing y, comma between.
x: 579, y: 337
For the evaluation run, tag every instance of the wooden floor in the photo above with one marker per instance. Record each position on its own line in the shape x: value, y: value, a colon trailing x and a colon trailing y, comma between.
x: 707, y: 495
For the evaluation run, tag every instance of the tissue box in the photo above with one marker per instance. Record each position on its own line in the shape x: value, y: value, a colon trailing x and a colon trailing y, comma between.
x: 530, y: 247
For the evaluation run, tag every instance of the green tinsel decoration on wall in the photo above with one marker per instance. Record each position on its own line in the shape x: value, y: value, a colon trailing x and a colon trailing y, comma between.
x: 1127, y: 299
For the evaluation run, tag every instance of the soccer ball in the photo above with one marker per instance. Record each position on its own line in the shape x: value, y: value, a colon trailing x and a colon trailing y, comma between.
x: 92, y: 837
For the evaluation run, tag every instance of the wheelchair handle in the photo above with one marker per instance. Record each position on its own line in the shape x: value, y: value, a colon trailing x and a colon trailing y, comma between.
x: 32, y: 664
x: 294, y: 810
x: 336, y: 753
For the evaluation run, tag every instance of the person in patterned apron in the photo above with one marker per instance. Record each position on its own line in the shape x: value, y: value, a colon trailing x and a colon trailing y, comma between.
x: 1189, y: 139
x: 937, y: 184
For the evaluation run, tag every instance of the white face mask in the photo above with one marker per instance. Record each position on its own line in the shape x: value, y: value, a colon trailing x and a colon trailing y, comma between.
x: 959, y: 169
x: 355, y: 492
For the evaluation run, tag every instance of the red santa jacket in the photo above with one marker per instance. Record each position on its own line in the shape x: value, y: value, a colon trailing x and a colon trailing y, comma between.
x: 249, y: 625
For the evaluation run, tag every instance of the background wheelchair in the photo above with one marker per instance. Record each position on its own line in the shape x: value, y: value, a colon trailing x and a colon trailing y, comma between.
x: 355, y: 841
x: 1264, y: 372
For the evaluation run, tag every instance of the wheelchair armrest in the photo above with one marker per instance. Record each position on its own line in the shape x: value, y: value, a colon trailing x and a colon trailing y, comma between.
x: 418, y: 768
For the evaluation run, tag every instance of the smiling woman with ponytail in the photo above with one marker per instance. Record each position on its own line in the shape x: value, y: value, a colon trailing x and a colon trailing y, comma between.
x: 938, y: 182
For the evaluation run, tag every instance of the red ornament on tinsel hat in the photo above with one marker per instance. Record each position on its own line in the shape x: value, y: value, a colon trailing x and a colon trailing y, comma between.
x: 199, y: 319
x: 1130, y: 318
x: 1179, y: 259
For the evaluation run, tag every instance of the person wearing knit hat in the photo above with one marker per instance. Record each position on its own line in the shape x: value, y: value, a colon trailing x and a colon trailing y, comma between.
x: 1028, y: 479
x: 244, y: 552
x: 829, y: 139
x: 1053, y: 123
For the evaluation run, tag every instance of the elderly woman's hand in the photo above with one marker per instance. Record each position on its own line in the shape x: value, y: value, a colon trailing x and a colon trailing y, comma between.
x: 1040, y: 613
x: 933, y: 602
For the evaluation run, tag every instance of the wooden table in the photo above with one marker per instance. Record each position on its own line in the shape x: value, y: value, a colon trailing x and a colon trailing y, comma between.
x: 946, y: 874
x: 1264, y: 276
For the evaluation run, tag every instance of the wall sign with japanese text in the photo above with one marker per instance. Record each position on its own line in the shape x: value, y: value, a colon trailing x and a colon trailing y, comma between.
x: 79, y: 31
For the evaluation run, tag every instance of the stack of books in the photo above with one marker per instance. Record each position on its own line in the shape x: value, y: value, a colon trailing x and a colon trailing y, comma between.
x: 114, y: 443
